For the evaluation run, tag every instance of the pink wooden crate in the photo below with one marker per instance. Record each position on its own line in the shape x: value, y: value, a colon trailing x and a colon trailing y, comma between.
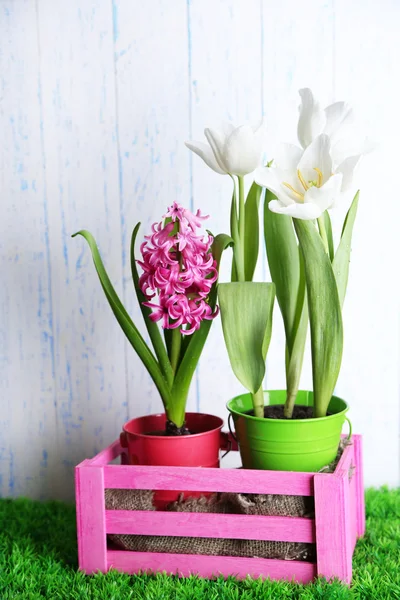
x: 339, y: 517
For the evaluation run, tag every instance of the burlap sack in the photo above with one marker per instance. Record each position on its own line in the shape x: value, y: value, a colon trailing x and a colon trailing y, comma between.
x: 217, y: 503
x: 250, y: 504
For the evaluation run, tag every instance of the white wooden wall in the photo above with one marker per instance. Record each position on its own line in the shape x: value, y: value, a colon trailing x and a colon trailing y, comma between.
x: 96, y: 100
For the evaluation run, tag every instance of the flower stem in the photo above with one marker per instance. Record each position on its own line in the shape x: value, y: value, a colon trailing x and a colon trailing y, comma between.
x: 322, y: 233
x: 242, y: 220
x: 258, y: 403
x: 175, y: 348
x: 235, y: 234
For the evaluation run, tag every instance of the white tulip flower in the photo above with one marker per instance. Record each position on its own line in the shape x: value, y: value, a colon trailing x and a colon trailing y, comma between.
x: 232, y: 150
x: 338, y: 122
x: 303, y: 180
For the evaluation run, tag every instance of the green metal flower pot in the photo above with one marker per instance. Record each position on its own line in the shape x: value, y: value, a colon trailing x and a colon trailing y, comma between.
x: 286, y: 444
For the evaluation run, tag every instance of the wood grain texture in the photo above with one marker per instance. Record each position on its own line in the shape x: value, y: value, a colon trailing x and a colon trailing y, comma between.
x: 359, y: 484
x: 225, y: 85
x: 90, y: 518
x: 367, y: 47
x: 353, y: 509
x: 210, y: 566
x: 152, y: 95
x: 208, y: 480
x: 107, y: 455
x: 96, y: 101
x: 243, y: 527
x: 333, y: 526
x: 28, y: 436
x: 81, y: 167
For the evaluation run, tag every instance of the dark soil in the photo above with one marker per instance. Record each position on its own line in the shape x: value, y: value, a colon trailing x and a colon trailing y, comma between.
x: 171, y: 430
x: 276, y: 412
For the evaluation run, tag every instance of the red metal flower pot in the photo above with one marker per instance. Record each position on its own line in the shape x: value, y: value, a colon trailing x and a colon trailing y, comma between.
x: 147, y: 446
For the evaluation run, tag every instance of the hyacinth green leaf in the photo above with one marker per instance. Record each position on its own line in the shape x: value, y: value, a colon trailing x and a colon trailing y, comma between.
x: 329, y: 235
x: 287, y: 272
x: 251, y: 234
x: 152, y: 328
x: 246, y: 313
x: 341, y: 261
x: 195, y: 345
x: 325, y: 315
x: 126, y: 323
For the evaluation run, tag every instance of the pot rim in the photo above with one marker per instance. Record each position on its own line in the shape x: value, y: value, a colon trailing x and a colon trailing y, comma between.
x: 287, y: 421
x: 174, y: 437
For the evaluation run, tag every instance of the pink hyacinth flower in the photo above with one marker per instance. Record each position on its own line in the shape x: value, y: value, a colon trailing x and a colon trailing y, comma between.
x: 178, y: 266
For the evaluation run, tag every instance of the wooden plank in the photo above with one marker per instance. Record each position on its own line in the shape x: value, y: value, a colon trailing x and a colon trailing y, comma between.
x: 251, y: 527
x: 90, y: 518
x: 367, y: 50
x: 28, y: 463
x: 107, y: 455
x: 151, y: 64
x: 210, y: 480
x: 185, y: 565
x: 353, y: 510
x: 346, y: 461
x: 81, y: 166
x: 225, y: 75
x: 332, y: 525
x: 359, y: 484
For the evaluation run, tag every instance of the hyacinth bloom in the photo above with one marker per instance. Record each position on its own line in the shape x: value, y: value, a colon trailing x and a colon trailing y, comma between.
x: 179, y: 268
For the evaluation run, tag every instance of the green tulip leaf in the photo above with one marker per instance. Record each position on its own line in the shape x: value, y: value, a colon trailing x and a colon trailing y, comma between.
x: 251, y: 233
x: 246, y: 313
x: 329, y: 235
x: 341, y: 261
x: 287, y: 272
x: 325, y: 315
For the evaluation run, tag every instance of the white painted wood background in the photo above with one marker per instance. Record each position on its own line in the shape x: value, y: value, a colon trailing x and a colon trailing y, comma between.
x: 96, y: 100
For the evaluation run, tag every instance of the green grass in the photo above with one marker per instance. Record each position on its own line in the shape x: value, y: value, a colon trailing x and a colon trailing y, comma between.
x: 38, y: 560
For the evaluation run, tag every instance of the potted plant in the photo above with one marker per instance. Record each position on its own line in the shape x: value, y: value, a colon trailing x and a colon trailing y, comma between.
x: 289, y: 429
x: 177, y: 286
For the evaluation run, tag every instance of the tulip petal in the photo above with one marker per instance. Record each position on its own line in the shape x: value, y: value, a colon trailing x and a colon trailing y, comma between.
x: 351, y: 145
x: 306, y: 212
x: 317, y: 155
x: 325, y: 196
x: 205, y: 152
x: 242, y: 151
x: 216, y: 139
x: 227, y: 128
x: 288, y: 157
x: 312, y: 118
x: 348, y: 169
x: 338, y: 116
x: 268, y: 177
